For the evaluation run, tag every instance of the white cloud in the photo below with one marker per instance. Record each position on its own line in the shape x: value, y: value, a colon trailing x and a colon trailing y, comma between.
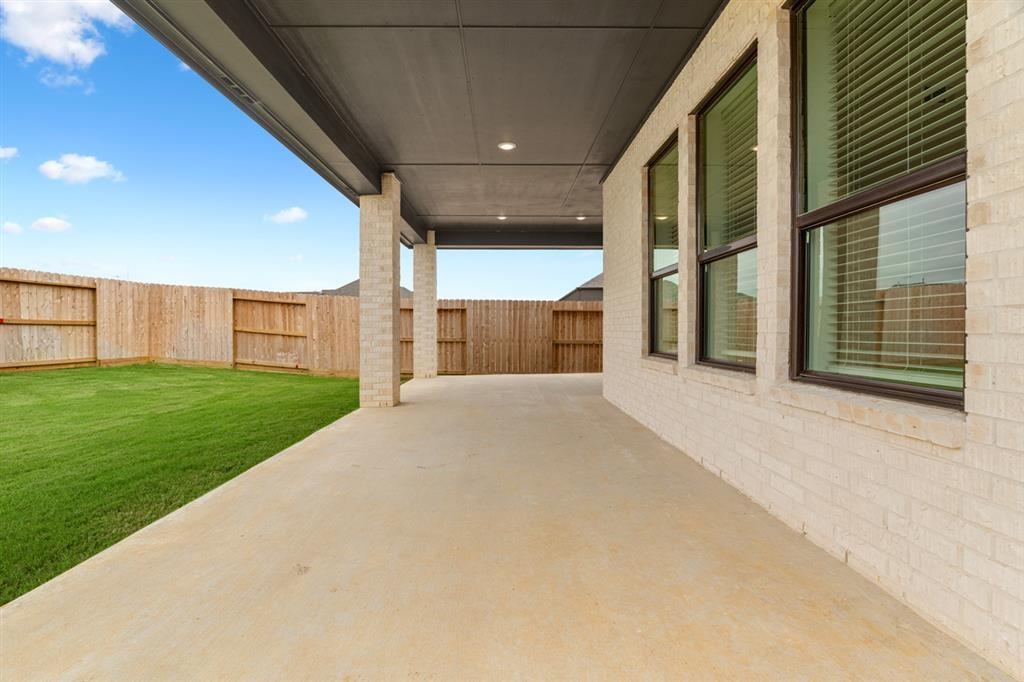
x: 51, y: 224
x: 287, y: 215
x: 13, y: 228
x: 77, y: 169
x: 55, y: 79
x: 62, y: 31
x: 8, y: 152
x: 182, y: 66
x: 297, y: 258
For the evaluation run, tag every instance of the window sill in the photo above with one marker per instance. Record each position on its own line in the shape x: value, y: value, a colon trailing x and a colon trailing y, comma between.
x: 660, y: 364
x: 733, y: 380
x: 938, y: 425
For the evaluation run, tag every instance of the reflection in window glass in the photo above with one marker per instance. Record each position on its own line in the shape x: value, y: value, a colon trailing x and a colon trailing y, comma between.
x: 665, y: 312
x: 728, y: 138
x: 663, y: 209
x: 886, y: 296
x: 730, y: 308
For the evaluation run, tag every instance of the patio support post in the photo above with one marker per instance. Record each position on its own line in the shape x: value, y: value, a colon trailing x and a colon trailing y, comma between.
x: 774, y: 208
x: 379, y: 342
x: 424, y: 309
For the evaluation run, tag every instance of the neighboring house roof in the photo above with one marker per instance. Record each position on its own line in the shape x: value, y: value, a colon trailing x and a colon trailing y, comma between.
x: 352, y: 289
x: 591, y: 290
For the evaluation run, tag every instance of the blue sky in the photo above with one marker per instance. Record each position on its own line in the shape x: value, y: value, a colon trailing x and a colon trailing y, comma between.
x: 129, y: 165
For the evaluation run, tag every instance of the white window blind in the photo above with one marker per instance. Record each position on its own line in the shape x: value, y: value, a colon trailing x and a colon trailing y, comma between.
x: 890, y: 76
x: 887, y: 296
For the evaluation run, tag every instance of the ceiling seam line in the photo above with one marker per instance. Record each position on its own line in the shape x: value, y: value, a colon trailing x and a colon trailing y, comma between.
x: 479, y: 215
x: 666, y: 87
x: 469, y: 84
x: 469, y: 164
x: 348, y: 121
x: 297, y: 64
x: 486, y: 26
x: 618, y: 91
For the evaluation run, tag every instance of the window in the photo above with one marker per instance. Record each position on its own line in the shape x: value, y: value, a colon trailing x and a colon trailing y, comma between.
x: 727, y: 241
x: 663, y: 236
x: 881, y: 196
x: 886, y: 292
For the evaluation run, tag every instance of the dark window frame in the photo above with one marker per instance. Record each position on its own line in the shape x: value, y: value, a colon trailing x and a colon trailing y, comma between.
x: 943, y: 173
x: 734, y: 248
x: 653, y: 276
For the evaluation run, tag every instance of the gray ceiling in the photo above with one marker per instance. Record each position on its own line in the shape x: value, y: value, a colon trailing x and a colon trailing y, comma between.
x: 432, y: 86
x: 428, y: 88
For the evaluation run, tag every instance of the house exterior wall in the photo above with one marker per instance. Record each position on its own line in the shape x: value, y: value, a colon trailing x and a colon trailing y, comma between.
x: 928, y: 502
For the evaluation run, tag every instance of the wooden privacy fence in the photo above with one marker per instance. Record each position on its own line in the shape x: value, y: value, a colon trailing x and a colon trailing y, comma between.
x: 41, y: 323
x: 49, y: 320
x: 511, y: 337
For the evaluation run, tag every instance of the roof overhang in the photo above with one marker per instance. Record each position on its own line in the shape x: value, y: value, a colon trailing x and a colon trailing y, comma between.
x: 426, y: 88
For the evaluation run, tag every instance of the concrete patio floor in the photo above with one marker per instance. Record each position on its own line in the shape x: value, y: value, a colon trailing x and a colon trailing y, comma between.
x: 497, y: 527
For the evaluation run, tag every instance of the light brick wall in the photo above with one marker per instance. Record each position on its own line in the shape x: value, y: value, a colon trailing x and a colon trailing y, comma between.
x: 927, y: 502
x: 424, y: 309
x: 379, y: 341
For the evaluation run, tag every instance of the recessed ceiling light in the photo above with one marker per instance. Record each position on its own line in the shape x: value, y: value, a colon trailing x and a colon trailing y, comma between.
x: 507, y: 146
x: 503, y: 217
x: 581, y: 217
x: 661, y: 217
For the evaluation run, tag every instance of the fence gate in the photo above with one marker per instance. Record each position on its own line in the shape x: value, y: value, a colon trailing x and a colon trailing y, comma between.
x: 47, y: 324
x: 270, y: 333
x: 405, y: 321
x: 451, y: 337
x: 576, y: 337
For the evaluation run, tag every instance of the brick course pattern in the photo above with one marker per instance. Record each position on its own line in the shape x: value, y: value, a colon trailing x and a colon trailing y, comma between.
x: 379, y: 341
x: 927, y: 502
x: 424, y: 309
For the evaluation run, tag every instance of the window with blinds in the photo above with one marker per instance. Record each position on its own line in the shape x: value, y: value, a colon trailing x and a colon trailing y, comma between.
x: 663, y: 253
x: 730, y: 308
x: 883, y: 228
x: 728, y: 139
x: 665, y: 309
x: 886, y: 292
x: 886, y: 91
x: 663, y: 209
x: 727, y: 133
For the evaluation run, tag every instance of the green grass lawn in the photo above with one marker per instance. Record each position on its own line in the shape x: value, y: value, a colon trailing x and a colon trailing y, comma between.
x: 88, y: 456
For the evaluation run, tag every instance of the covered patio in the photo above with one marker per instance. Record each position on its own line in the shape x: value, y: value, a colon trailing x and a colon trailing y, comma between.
x: 527, y: 526
x: 489, y: 527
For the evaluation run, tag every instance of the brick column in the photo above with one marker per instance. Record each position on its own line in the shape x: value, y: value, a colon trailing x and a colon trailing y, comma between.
x: 774, y: 192
x: 424, y: 309
x: 379, y: 343
x: 991, y: 560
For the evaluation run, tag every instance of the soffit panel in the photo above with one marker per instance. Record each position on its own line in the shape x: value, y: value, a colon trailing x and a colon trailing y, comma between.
x: 358, y: 12
x: 585, y: 196
x: 686, y: 13
x: 404, y: 88
x: 488, y: 190
x: 467, y: 222
x: 631, y: 13
x: 430, y: 87
x: 654, y: 65
x: 548, y: 90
